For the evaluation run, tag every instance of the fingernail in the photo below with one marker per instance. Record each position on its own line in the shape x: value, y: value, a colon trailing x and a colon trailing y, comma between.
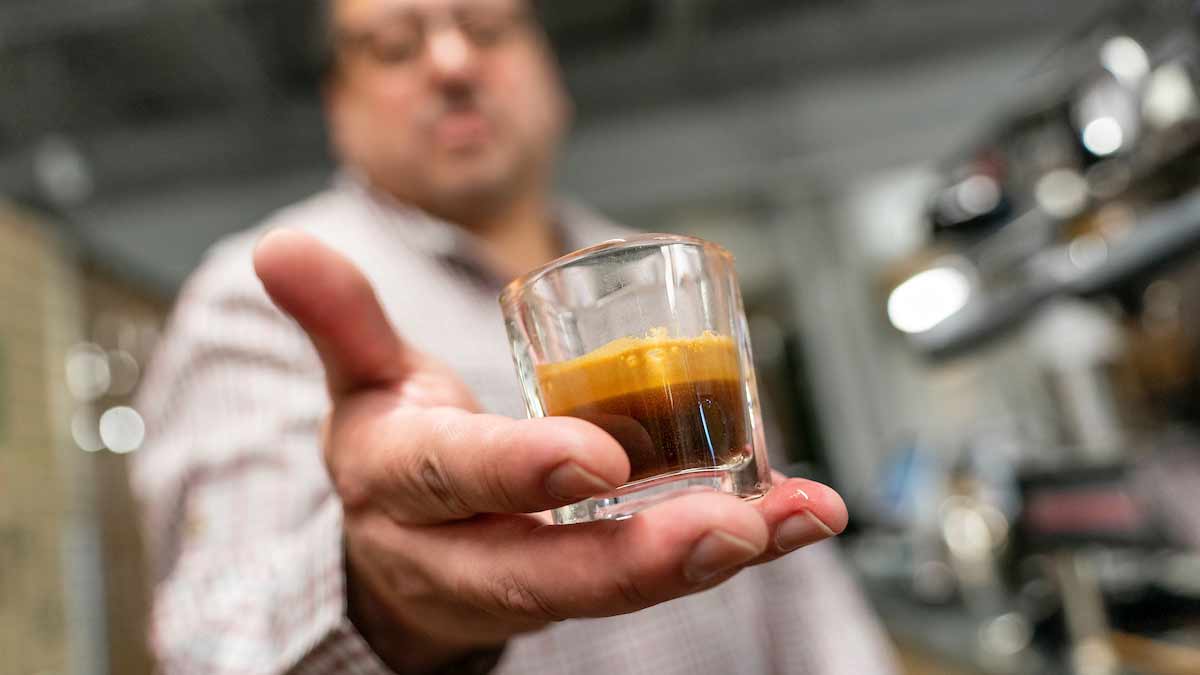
x: 716, y: 553
x: 800, y: 530
x: 571, y: 481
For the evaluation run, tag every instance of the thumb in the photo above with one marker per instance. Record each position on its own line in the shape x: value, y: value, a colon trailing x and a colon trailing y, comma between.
x: 335, y: 305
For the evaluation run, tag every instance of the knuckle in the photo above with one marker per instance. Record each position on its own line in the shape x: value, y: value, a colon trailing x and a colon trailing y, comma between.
x: 493, y: 469
x: 434, y: 483
x: 498, y: 489
x: 514, y: 597
x: 627, y: 587
x: 633, y: 594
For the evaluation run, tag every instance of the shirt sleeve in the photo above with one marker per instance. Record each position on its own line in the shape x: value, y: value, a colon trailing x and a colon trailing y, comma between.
x: 244, y: 532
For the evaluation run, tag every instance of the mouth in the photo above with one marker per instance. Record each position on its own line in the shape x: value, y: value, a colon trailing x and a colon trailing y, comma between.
x: 462, y: 130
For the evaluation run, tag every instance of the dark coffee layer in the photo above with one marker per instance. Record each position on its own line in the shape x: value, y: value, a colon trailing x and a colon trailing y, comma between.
x: 679, y: 425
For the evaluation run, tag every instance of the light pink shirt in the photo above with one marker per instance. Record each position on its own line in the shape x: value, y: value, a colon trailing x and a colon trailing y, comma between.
x: 245, y: 532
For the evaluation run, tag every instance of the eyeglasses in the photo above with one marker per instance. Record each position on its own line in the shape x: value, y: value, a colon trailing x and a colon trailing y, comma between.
x: 402, y: 37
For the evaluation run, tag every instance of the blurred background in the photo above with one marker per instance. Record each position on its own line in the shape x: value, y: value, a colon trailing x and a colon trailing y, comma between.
x: 968, y: 234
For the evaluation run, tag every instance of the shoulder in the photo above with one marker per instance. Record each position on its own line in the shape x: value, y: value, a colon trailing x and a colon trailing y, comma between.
x: 226, y: 272
x: 222, y: 308
x: 223, y: 315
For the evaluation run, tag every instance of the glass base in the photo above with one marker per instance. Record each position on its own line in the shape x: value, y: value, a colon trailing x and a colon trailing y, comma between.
x: 740, y: 478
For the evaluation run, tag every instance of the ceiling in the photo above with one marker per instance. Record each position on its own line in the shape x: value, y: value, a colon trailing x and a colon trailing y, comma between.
x: 83, y: 67
x: 91, y: 70
x: 138, y: 98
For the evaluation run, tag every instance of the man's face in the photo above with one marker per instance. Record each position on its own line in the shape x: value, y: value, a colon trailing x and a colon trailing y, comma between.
x: 452, y: 105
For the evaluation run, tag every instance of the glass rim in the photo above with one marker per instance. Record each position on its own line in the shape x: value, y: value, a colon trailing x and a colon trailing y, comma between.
x: 515, y: 288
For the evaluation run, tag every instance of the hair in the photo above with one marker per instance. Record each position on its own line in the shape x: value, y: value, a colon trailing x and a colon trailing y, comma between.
x: 324, y: 40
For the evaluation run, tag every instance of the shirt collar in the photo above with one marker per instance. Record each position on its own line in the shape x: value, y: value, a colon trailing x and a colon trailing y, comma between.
x: 577, y: 226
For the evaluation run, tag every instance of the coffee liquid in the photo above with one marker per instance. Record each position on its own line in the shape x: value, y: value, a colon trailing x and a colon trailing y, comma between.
x: 672, y: 403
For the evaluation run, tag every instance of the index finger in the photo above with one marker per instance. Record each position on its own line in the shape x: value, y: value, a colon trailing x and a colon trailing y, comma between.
x: 336, y: 306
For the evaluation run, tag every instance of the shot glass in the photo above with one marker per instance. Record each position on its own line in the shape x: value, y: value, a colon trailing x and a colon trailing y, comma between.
x: 645, y: 337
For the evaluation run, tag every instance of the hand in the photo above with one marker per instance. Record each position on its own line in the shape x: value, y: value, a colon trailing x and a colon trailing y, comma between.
x: 441, y: 550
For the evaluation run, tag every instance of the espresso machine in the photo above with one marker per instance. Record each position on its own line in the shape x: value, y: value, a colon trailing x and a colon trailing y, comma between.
x: 1066, y: 240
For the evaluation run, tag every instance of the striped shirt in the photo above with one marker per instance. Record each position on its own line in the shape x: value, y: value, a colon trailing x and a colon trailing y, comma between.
x: 246, y: 533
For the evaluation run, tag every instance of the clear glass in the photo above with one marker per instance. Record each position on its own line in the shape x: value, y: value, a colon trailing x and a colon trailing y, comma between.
x: 645, y: 337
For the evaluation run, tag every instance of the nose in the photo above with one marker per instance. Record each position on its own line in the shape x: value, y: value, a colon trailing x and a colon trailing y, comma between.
x: 451, y: 55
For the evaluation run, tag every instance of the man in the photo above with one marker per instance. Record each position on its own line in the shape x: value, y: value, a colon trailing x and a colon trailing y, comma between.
x: 393, y: 536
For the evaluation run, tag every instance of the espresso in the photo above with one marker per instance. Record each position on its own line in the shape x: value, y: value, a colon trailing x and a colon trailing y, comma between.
x: 672, y: 403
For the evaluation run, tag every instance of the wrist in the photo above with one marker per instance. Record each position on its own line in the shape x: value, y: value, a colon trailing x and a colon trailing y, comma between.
x: 392, y: 642
x: 404, y: 649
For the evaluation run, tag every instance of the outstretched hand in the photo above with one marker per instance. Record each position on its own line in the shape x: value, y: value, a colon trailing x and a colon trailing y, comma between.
x: 443, y: 553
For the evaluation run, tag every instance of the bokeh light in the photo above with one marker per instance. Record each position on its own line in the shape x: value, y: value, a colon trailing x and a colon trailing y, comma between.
x: 928, y: 298
x: 122, y: 429
x: 87, y: 372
